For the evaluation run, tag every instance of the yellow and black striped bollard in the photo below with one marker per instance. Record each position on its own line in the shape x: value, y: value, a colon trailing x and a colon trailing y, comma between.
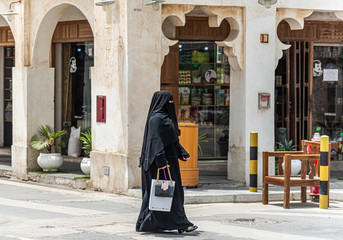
x: 324, y: 172
x: 253, y: 161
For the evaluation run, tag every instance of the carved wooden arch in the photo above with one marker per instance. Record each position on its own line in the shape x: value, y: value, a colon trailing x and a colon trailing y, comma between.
x: 295, y: 19
x: 175, y: 16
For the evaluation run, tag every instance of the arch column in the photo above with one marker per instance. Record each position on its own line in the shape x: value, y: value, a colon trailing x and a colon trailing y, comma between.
x: 33, y: 105
x: 256, y: 76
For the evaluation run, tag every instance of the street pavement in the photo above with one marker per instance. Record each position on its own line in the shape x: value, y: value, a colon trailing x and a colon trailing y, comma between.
x: 29, y: 211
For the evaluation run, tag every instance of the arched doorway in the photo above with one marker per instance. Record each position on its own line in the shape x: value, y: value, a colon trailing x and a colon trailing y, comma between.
x: 73, y: 51
x: 7, y: 62
x: 63, y: 94
x: 197, y: 72
x: 308, y: 99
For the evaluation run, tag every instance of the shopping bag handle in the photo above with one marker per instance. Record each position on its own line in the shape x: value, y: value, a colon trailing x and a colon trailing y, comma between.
x: 158, y: 175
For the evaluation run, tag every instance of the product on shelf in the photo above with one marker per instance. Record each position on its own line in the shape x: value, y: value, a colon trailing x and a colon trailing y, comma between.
x: 221, y: 97
x: 196, y: 96
x: 184, y: 77
x: 184, y: 93
x: 197, y: 79
x: 220, y: 75
x: 207, y: 99
x: 200, y: 57
x: 185, y: 56
x: 227, y: 97
x: 210, y: 76
x: 185, y: 113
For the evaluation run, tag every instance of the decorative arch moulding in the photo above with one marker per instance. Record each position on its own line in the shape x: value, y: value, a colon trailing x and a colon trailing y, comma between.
x: 295, y: 19
x: 233, y: 44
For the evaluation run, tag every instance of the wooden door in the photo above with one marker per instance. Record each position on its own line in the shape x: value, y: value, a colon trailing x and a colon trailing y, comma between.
x: 300, y: 90
x: 170, y: 73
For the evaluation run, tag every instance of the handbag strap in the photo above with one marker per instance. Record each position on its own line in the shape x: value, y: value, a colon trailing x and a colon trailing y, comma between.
x: 158, y: 176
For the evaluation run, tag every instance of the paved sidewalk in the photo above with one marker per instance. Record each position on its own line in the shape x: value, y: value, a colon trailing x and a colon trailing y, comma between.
x: 29, y: 211
x: 212, y: 189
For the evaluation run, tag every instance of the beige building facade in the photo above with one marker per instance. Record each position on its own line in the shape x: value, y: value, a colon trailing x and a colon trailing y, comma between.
x: 128, y: 42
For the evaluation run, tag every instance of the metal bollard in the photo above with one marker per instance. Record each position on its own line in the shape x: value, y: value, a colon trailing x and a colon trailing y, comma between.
x: 324, y: 172
x: 253, y: 161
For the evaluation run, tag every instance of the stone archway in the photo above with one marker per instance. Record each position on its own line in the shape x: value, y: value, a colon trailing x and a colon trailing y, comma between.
x: 35, y: 88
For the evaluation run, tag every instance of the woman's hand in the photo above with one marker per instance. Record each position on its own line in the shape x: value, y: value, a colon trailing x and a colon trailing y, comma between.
x: 164, y: 167
x: 186, y: 159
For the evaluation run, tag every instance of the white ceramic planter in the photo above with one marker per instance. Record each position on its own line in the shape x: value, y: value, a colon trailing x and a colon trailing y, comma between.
x: 86, y: 166
x: 295, y: 167
x: 50, y: 162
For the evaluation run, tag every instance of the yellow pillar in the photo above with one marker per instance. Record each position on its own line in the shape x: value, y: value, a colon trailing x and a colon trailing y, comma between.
x: 324, y: 172
x: 253, y: 161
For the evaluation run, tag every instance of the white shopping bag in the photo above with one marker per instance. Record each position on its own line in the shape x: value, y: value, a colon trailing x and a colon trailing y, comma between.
x: 162, y: 204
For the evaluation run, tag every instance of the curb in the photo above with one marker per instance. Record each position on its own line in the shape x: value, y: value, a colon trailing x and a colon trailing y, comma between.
x: 65, y: 180
x: 224, y: 196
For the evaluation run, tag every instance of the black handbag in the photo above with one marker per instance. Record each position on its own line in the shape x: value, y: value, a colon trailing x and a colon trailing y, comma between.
x: 164, y: 188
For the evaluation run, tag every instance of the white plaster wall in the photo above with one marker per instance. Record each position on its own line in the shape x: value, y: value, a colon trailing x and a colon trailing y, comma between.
x: 144, y: 61
x: 109, y: 78
x: 259, y: 69
x: 72, y: 14
x: 3, y: 22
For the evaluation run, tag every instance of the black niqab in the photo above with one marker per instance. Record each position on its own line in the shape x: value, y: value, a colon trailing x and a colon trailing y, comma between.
x: 159, y: 104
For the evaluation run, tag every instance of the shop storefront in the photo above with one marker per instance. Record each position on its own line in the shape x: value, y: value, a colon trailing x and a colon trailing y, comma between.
x: 197, y: 72
x: 204, y: 95
x: 308, y: 85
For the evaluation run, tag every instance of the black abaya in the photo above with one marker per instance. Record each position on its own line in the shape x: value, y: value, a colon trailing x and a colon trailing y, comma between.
x: 161, y: 147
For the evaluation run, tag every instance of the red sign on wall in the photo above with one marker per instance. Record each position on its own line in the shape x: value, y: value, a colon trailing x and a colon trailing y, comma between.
x: 101, y: 109
x: 264, y: 38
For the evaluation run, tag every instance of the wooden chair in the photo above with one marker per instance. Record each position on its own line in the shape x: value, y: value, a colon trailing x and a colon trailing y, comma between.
x: 285, y: 179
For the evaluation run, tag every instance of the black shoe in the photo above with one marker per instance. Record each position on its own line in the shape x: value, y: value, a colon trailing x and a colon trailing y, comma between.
x: 189, y: 229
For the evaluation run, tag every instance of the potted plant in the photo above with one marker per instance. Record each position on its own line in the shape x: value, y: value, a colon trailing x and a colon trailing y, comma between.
x: 288, y: 146
x: 223, y: 143
x: 45, y: 140
x: 86, y: 139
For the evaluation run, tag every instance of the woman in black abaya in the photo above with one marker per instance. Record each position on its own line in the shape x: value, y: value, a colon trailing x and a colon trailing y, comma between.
x: 161, y: 147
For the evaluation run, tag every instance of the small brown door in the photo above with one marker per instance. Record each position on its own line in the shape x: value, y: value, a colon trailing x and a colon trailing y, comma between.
x: 170, y: 73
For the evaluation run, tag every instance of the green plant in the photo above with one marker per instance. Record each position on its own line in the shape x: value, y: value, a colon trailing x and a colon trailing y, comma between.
x: 201, y: 139
x: 46, y: 138
x: 86, y: 139
x: 283, y: 146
